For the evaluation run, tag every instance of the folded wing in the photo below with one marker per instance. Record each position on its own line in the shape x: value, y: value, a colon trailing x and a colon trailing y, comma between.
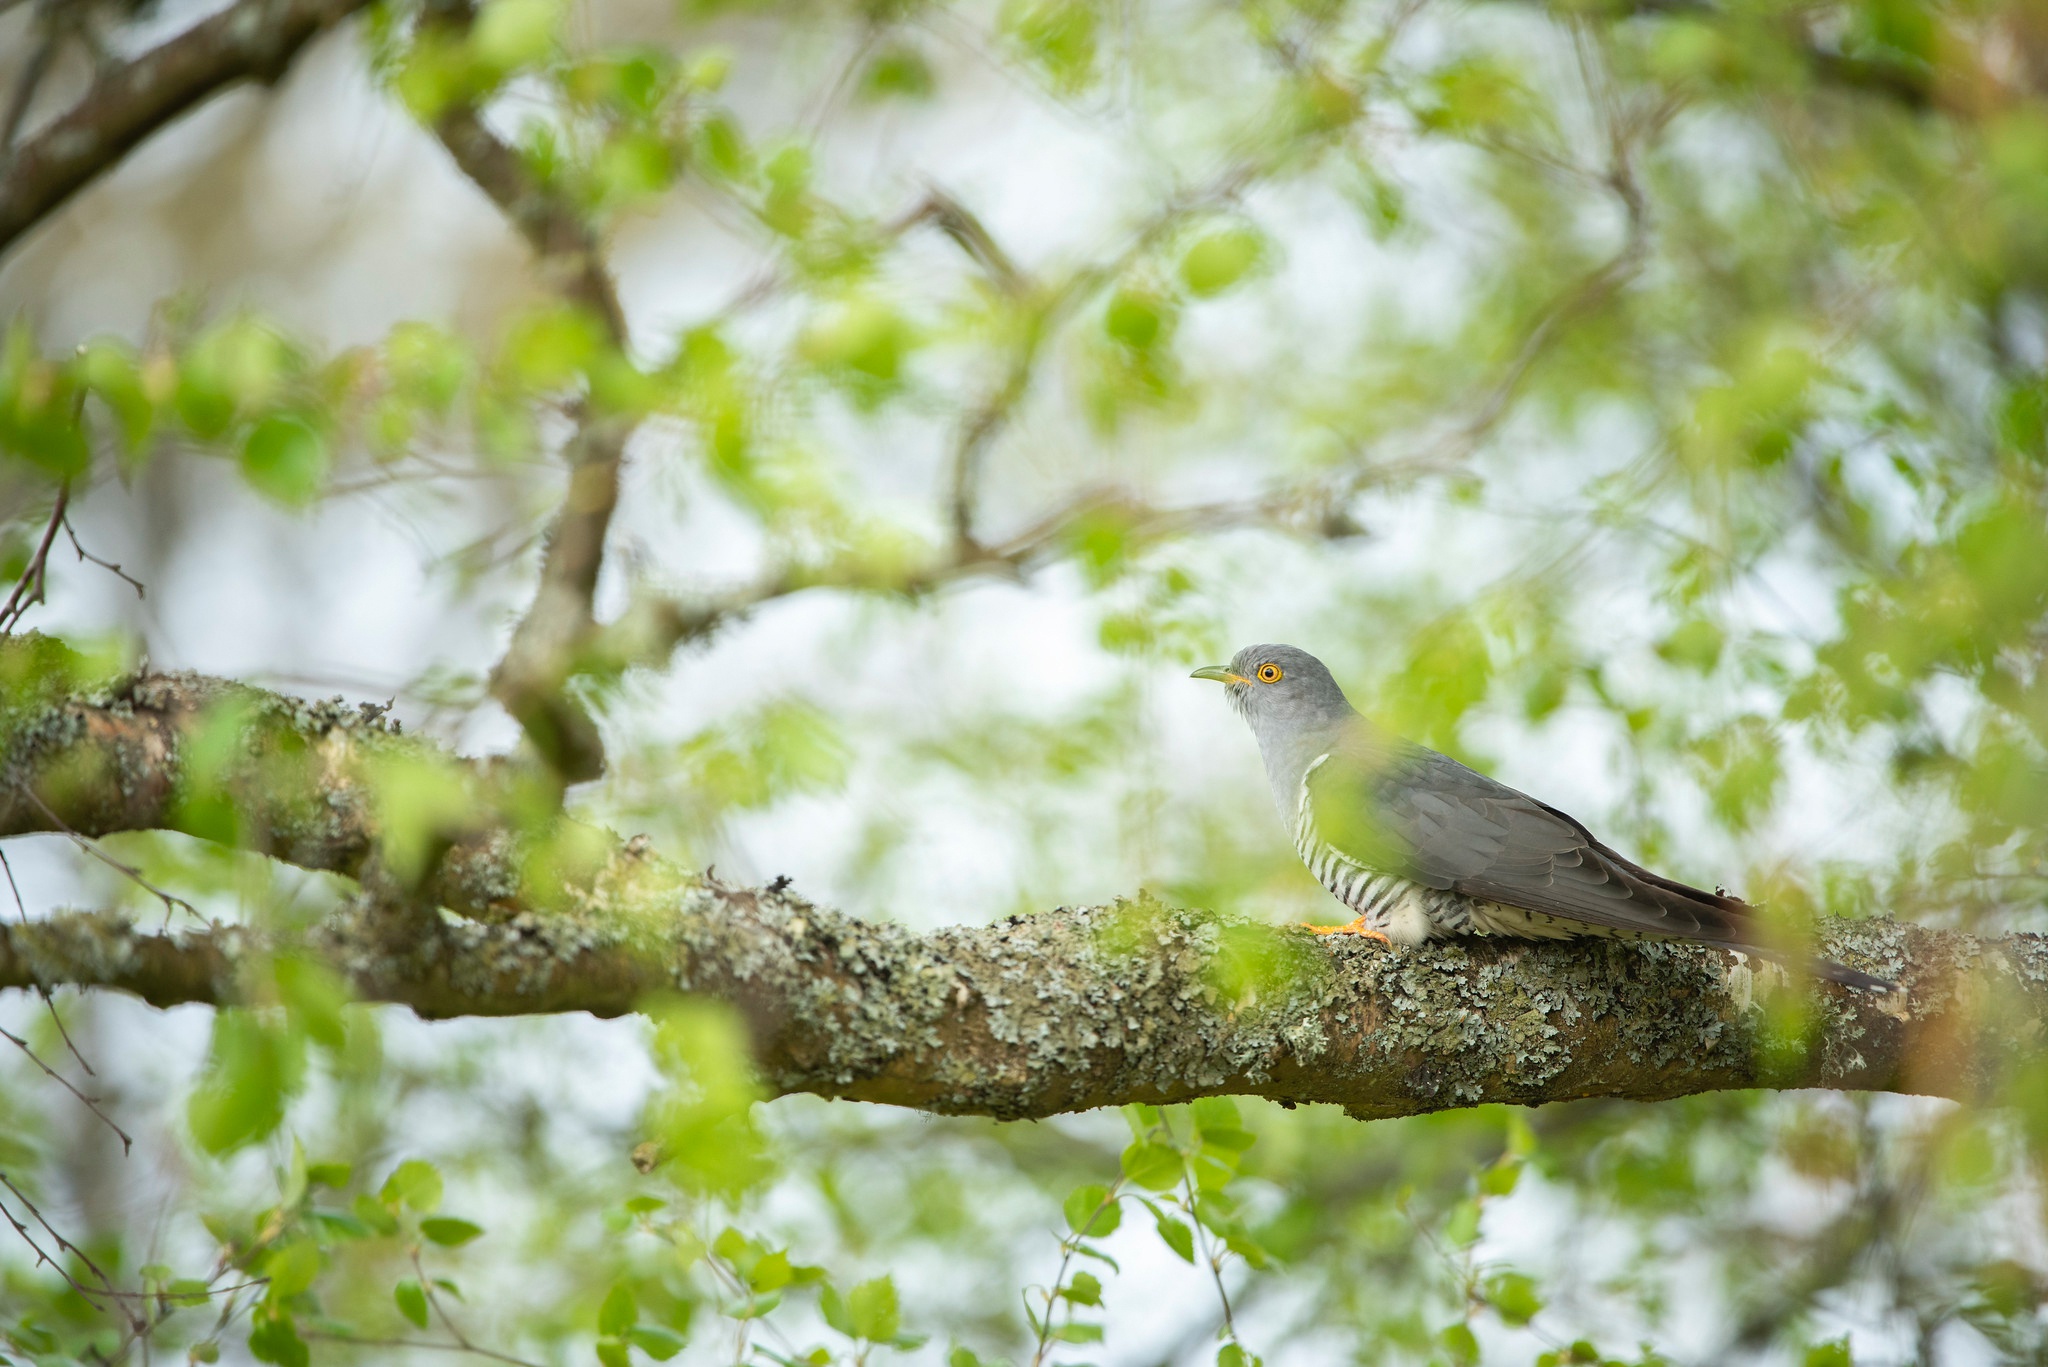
x: 1404, y: 809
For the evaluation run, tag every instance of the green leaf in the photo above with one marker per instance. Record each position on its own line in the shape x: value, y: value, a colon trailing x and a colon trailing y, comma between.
x: 898, y: 72
x: 1154, y: 1166
x: 833, y: 1307
x: 618, y: 1312
x: 109, y: 370
x: 292, y: 1267
x: 1233, y: 1355
x: 1177, y: 1235
x: 771, y: 1273
x: 415, y: 1183
x: 510, y: 34
x: 189, y: 1291
x: 1217, y: 1113
x: 449, y: 1231
x: 1513, y: 1296
x: 285, y: 458
x: 1138, y: 318
x: 658, y: 1343
x: 1083, y: 1289
x: 374, y: 1214
x: 252, y: 1069
x: 1695, y: 644
x: 1218, y: 261
x: 1499, y: 1179
x: 1078, y: 1333
x: 274, y: 1338
x: 1831, y: 1354
x: 1460, y: 1343
x: 328, y: 1174
x: 613, y: 1352
x: 411, y: 1299
x: 1059, y: 34
x: 873, y: 1310
x: 1086, y: 1213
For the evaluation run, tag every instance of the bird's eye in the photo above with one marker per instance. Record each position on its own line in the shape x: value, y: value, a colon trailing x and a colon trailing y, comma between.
x: 1269, y: 672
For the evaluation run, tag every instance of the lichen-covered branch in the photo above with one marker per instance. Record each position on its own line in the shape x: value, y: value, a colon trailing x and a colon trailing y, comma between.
x: 249, y: 40
x: 1089, y: 1007
x: 1061, y: 1011
x: 307, y: 783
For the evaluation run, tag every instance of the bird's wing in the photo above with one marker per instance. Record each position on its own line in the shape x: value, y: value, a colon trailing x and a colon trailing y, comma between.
x: 1411, y: 811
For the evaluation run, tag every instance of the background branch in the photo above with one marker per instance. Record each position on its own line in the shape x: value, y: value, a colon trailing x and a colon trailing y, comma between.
x: 531, y: 679
x: 249, y: 40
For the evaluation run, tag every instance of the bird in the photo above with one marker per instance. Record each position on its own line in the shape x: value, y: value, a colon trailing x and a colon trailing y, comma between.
x: 1422, y: 847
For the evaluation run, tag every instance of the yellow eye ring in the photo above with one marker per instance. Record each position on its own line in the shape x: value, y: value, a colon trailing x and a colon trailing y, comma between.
x: 1269, y: 673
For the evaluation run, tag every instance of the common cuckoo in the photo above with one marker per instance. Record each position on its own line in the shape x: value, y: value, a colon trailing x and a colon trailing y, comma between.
x: 1422, y: 847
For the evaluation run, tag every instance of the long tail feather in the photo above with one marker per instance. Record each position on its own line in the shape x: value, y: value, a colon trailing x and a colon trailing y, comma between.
x: 1826, y: 969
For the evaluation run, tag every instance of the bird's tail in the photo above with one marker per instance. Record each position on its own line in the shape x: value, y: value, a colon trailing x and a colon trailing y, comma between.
x: 1826, y: 969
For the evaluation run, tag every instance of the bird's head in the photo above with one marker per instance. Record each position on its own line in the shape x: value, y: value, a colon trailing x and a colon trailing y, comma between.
x: 1275, y: 686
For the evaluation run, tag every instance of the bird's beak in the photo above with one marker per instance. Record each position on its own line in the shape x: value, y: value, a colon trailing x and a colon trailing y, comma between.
x: 1219, y: 674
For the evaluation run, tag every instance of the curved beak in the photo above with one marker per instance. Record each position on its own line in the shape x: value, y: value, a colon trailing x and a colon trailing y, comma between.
x: 1219, y: 674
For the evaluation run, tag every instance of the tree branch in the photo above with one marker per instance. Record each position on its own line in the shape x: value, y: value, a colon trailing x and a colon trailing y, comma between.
x: 1100, y: 1006
x: 249, y: 40
x: 531, y: 680
x: 1033, y: 1016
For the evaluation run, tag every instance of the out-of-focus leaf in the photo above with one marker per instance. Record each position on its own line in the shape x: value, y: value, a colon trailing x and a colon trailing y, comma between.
x: 286, y: 458
x: 411, y: 1300
x: 448, y: 1231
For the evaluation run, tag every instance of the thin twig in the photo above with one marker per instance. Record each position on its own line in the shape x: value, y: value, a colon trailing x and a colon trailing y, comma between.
x: 127, y: 1142
x: 1067, y: 1247
x: 171, y: 901
x: 462, y: 1341
x: 331, y: 1336
x: 30, y: 589
x: 65, y: 1245
x: 56, y: 1017
x: 108, y: 565
x: 1211, y: 1256
x: 85, y: 1293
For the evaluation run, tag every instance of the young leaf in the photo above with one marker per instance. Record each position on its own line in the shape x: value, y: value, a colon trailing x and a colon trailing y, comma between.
x: 1178, y: 1236
x: 449, y: 1231
x: 658, y: 1343
x: 618, y: 1312
x: 1153, y: 1165
x: 411, y: 1299
x: 414, y: 1183
x: 873, y: 1309
x: 1087, y: 1214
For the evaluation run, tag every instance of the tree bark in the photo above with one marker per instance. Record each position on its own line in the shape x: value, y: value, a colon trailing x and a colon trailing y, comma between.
x: 1070, y: 1009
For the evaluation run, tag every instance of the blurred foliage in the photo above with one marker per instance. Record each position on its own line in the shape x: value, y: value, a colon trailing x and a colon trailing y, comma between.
x: 1690, y: 370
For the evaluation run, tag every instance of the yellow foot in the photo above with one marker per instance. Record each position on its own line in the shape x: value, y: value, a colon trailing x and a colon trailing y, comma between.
x: 1357, y: 927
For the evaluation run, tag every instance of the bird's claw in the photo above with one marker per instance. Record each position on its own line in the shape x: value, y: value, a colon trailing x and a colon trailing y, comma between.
x: 1357, y: 927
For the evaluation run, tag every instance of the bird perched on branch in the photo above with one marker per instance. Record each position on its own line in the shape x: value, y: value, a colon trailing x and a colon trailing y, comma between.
x: 1422, y: 847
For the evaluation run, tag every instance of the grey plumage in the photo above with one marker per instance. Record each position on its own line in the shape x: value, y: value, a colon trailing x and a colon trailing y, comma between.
x: 1420, y: 846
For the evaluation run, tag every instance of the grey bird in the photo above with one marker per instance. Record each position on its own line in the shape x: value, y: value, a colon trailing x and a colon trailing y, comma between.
x: 1421, y: 847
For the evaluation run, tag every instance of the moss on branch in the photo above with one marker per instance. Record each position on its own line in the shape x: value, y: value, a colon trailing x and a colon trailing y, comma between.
x: 1085, y: 1007
x: 1063, y: 1011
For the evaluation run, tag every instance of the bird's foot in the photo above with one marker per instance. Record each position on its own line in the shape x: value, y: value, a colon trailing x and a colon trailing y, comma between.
x: 1357, y: 927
